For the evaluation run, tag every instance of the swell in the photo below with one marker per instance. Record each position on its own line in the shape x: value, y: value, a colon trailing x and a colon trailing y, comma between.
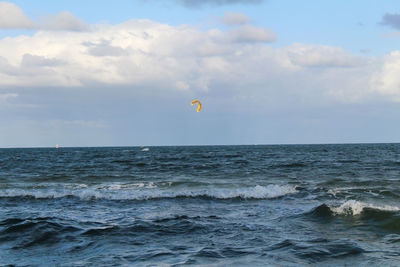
x: 319, y: 249
x: 158, y: 227
x: 22, y: 233
x: 29, y: 232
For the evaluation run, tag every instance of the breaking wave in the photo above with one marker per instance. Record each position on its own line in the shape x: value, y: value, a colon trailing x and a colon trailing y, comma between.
x: 150, y: 191
x: 369, y: 216
x: 353, y: 207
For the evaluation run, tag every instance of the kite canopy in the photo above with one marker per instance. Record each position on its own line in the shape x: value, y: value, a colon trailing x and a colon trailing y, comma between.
x: 196, y: 101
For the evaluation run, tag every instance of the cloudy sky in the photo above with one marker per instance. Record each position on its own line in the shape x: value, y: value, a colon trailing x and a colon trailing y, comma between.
x: 120, y: 73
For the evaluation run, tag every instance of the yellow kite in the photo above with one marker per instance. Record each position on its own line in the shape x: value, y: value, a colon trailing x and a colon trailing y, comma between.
x: 196, y: 101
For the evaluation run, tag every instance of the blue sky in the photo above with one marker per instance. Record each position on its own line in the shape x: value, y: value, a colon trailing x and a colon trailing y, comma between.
x: 93, y: 73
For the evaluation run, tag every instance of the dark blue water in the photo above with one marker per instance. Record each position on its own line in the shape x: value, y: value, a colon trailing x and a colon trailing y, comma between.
x: 202, y: 206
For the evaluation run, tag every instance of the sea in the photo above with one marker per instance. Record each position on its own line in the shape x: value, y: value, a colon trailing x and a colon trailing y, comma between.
x: 255, y: 205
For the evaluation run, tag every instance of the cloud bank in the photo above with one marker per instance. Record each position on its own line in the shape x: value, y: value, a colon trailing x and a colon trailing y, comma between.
x: 236, y: 63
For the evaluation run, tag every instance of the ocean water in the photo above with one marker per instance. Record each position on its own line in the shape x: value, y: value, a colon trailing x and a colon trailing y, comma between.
x: 281, y: 205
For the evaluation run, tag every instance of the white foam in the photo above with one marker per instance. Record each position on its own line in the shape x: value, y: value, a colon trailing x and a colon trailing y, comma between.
x: 353, y: 207
x: 144, y: 193
x: 260, y: 192
x: 118, y: 186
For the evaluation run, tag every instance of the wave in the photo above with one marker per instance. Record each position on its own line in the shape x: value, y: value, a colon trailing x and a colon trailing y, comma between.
x: 368, y: 215
x: 149, y: 191
x: 22, y: 233
x: 353, y: 207
x: 180, y: 226
x: 317, y: 250
x: 28, y: 232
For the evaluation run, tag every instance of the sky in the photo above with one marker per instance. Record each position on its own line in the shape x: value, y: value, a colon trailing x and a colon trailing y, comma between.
x: 124, y: 72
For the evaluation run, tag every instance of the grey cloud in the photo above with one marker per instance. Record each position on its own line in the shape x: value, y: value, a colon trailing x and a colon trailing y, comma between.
x: 29, y: 60
x: 248, y: 33
x: 324, y: 57
x: 235, y: 19
x: 105, y: 49
x: 31, y: 66
x: 5, y: 67
x: 392, y: 20
x: 199, y: 3
x: 64, y: 21
x: 328, y: 61
x: 13, y: 17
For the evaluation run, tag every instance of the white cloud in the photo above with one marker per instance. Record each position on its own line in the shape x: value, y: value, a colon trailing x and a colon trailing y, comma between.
x: 12, y: 17
x: 387, y: 79
x: 235, y: 18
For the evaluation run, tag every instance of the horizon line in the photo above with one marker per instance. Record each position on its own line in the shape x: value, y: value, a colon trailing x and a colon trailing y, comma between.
x: 204, y: 145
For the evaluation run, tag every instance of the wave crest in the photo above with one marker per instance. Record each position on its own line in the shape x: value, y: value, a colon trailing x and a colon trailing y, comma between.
x: 353, y: 207
x: 146, y: 193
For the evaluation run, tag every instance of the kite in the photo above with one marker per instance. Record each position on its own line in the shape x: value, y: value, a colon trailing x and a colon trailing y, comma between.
x: 196, y: 101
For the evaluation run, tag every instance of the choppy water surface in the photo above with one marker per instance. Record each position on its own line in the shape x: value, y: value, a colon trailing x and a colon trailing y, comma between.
x: 209, y: 205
